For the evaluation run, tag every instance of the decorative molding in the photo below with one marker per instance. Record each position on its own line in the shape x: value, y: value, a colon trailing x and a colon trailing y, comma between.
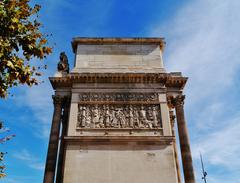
x: 166, y: 140
x: 124, y: 97
x: 163, y: 79
x: 174, y: 101
x: 178, y: 100
x: 63, y: 101
x: 104, y: 40
x: 119, y: 116
x: 57, y: 99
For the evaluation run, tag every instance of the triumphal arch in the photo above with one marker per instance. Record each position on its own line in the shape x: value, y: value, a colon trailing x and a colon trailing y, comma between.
x: 114, y: 114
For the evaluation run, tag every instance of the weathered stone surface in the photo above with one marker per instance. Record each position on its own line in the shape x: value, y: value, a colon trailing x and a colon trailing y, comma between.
x: 119, y: 129
x: 113, y: 163
x: 119, y: 116
x: 119, y: 58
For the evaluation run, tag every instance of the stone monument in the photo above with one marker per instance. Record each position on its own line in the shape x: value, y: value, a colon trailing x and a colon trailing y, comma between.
x: 113, y: 119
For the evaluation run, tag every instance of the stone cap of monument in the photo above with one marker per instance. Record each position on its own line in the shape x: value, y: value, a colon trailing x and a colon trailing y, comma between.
x: 118, y: 55
x: 117, y: 40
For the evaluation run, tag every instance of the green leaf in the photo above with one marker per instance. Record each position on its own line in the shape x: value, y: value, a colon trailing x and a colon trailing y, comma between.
x: 10, y: 64
x: 20, y: 32
x: 15, y: 20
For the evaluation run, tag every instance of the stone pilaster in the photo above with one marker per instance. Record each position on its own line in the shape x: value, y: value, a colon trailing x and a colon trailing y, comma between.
x: 53, y: 141
x: 172, y: 120
x: 60, y: 166
x: 188, y: 171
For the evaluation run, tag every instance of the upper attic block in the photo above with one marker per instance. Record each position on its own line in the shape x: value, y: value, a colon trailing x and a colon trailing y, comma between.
x: 118, y: 55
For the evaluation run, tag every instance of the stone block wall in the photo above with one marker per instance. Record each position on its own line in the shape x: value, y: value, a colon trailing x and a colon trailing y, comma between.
x: 118, y: 58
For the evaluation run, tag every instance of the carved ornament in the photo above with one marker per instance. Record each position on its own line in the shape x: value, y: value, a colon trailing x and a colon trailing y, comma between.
x: 179, y: 100
x: 119, y: 116
x: 57, y: 100
x: 118, y: 97
x: 175, y: 101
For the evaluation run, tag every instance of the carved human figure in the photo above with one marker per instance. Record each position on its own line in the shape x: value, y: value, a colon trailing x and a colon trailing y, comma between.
x: 142, y: 116
x: 155, y: 119
x: 113, y: 120
x: 83, y: 116
x: 120, y: 118
x: 131, y: 117
x: 95, y: 117
x: 112, y: 114
x: 101, y: 117
x: 136, y: 122
x: 149, y: 114
x: 88, y: 118
x: 107, y: 116
x: 149, y: 118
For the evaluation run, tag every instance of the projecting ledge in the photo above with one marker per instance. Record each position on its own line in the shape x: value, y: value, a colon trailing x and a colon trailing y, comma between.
x: 124, y: 139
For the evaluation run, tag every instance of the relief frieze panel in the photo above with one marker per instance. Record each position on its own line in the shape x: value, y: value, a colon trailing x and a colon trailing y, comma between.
x: 119, y: 116
x: 123, y: 97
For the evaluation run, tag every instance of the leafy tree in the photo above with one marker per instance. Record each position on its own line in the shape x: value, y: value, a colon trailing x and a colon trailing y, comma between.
x: 20, y: 41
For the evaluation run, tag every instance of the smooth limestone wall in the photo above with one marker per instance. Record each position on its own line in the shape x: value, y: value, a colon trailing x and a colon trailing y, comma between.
x: 129, y: 163
x: 118, y: 58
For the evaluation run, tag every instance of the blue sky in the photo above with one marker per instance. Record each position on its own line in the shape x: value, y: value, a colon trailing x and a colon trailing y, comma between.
x: 202, y: 41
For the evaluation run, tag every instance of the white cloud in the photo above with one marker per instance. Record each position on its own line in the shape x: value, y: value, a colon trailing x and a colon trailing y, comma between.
x: 203, y: 42
x: 21, y: 179
x: 38, y: 100
x: 29, y: 159
x: 221, y: 147
x: 24, y: 155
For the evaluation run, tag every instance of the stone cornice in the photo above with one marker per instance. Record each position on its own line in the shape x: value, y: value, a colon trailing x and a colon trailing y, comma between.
x: 165, y: 79
x: 176, y: 82
x: 102, y: 40
x: 108, y: 139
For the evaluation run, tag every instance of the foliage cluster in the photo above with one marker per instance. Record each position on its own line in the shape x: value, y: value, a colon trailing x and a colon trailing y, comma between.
x: 20, y: 41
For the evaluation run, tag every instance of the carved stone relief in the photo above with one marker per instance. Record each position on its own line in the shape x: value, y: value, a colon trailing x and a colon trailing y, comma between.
x: 119, y: 116
x: 118, y: 97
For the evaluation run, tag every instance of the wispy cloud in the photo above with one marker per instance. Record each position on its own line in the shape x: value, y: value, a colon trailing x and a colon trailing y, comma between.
x: 29, y: 159
x: 203, y: 42
x: 38, y: 100
x: 20, y: 179
x: 222, y: 145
